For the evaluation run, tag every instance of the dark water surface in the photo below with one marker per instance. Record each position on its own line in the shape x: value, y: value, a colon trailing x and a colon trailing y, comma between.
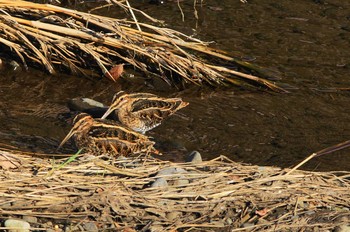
x: 304, y: 44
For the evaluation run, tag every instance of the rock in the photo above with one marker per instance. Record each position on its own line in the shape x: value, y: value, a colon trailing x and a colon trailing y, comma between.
x: 17, y: 225
x: 194, y: 157
x: 87, y: 105
x: 83, y: 104
x: 80, y: 104
x: 160, y: 182
x: 170, y: 174
x: 170, y: 171
x: 90, y: 226
x: 30, y: 219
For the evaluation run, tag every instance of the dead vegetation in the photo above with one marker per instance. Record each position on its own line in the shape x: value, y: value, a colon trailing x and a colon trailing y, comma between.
x: 65, y: 40
x: 117, y: 194
x: 217, y: 194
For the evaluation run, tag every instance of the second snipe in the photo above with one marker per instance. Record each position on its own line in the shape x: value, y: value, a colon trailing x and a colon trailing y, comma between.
x: 143, y: 111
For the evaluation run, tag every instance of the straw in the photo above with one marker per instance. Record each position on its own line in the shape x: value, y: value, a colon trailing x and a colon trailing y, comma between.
x: 217, y: 194
x: 58, y: 38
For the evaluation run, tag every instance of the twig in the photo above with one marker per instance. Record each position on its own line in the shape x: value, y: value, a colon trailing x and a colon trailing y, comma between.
x: 133, y: 15
x: 182, y: 13
x: 325, y: 151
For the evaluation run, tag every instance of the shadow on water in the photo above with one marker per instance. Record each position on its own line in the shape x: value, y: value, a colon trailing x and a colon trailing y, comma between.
x: 305, y: 43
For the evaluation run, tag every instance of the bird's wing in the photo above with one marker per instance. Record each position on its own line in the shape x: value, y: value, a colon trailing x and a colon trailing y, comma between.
x: 167, y: 106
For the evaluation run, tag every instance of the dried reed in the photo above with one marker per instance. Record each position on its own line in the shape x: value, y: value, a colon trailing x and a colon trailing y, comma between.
x: 217, y: 194
x: 59, y: 38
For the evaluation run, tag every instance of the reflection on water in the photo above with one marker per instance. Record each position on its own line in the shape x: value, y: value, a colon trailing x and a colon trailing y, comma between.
x: 305, y: 42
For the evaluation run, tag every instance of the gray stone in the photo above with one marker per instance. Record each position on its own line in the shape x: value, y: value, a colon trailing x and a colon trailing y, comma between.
x: 30, y: 219
x: 92, y: 102
x: 17, y: 225
x: 90, y: 226
x: 82, y: 104
x: 194, y: 157
x: 160, y: 182
x: 170, y: 171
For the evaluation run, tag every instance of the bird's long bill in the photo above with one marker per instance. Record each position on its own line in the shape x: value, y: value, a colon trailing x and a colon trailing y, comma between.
x: 108, y: 112
x: 70, y: 134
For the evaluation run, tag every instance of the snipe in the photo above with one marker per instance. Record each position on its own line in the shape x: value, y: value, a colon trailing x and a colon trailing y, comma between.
x: 143, y: 111
x: 100, y: 136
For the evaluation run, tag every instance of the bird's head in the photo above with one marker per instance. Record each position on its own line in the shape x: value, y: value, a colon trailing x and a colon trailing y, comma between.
x: 120, y: 99
x: 81, y: 124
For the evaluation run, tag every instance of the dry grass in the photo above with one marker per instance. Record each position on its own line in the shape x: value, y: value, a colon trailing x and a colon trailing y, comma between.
x: 218, y: 194
x: 59, y: 39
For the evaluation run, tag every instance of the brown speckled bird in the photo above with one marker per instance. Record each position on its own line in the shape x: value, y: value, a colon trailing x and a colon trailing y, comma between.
x: 143, y: 111
x: 100, y: 136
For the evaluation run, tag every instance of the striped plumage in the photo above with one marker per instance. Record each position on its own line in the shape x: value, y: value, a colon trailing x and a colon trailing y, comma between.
x: 100, y: 136
x: 143, y: 111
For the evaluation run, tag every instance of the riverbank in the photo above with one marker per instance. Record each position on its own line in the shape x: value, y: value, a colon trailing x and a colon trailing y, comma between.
x: 150, y: 194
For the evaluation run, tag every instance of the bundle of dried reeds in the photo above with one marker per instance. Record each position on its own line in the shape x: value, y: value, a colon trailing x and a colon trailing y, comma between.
x: 56, y: 37
x: 207, y: 196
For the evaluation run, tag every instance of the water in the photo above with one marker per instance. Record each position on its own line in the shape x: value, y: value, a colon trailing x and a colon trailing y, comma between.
x: 305, y: 45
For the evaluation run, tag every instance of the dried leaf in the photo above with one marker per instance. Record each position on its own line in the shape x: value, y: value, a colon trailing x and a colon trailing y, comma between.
x: 262, y: 212
x: 116, y: 71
